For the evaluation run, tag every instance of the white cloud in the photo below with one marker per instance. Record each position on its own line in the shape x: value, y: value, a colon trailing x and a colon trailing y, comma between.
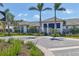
x: 25, y: 19
x: 68, y: 11
x: 25, y: 14
x: 22, y: 14
x: 36, y: 16
x: 19, y: 14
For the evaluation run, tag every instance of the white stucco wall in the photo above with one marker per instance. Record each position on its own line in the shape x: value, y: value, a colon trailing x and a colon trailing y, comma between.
x: 48, y: 30
x: 11, y: 27
x: 25, y: 29
x: 42, y: 27
x: 61, y: 27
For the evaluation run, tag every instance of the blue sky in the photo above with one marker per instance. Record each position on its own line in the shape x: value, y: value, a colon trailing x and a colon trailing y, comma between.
x: 20, y: 11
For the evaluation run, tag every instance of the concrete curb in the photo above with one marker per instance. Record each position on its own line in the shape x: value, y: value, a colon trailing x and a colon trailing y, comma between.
x: 45, y: 51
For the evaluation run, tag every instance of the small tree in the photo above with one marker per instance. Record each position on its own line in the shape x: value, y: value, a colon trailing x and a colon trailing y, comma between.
x: 32, y: 29
x: 9, y: 19
x: 74, y: 30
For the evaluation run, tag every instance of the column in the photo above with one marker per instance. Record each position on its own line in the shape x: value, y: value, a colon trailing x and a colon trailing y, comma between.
x: 61, y: 27
x: 47, y: 28
x: 42, y: 27
x: 24, y: 29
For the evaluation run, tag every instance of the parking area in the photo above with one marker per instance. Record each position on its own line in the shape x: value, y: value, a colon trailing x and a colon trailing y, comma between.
x: 60, y: 47
x: 67, y: 52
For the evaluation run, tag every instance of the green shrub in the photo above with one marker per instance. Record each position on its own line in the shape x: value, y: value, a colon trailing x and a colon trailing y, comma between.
x: 74, y: 30
x: 1, y: 40
x: 15, y: 47
x: 38, y: 34
x: 56, y: 35
x: 30, y: 44
x: 12, y: 50
x: 2, y: 34
x: 34, y: 51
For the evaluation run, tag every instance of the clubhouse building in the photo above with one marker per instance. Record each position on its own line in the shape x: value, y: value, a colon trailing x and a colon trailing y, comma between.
x: 63, y: 26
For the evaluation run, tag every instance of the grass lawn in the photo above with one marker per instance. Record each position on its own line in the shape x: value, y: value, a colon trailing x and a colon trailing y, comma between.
x: 72, y: 36
x: 21, y: 34
x: 15, y: 47
x: 14, y: 34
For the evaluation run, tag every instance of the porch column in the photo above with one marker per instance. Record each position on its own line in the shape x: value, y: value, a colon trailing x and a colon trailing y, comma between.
x: 61, y: 27
x: 20, y: 28
x: 47, y: 28
x: 42, y: 27
x: 24, y: 29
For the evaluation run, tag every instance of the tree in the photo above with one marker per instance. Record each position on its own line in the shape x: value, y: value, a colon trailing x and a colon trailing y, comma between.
x: 9, y: 19
x: 74, y: 30
x: 1, y: 5
x: 2, y: 19
x: 2, y: 11
x: 57, y: 8
x: 40, y: 8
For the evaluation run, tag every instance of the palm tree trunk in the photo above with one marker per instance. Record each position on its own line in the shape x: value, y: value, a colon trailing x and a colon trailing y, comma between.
x: 27, y: 28
x: 8, y: 29
x: 55, y: 22
x: 4, y: 28
x: 40, y: 23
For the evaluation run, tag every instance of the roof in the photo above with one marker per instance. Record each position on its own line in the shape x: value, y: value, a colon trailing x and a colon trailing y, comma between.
x: 29, y: 23
x: 37, y: 23
x: 52, y: 20
x: 68, y: 22
x: 74, y: 21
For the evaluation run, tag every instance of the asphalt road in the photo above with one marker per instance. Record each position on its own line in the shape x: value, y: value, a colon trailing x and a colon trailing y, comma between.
x: 48, y: 43
x: 68, y: 52
x: 51, y: 44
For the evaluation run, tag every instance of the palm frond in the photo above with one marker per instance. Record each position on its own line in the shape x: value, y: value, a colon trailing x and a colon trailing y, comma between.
x: 47, y: 9
x: 62, y: 9
x: 33, y: 8
x: 57, y: 5
x: 3, y: 13
x: 7, y: 10
x: 1, y: 4
x: 40, y: 6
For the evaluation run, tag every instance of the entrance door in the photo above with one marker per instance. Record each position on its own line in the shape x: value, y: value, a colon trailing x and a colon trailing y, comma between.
x: 45, y: 29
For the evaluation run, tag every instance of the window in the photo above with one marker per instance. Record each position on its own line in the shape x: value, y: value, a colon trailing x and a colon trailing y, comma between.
x: 58, y: 25
x: 45, y: 25
x: 8, y: 30
x: 51, y: 25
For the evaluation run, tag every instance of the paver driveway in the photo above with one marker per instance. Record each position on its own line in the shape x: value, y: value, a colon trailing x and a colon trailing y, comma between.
x: 60, y: 47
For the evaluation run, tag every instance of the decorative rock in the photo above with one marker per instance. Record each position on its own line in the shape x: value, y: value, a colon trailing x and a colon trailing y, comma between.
x: 25, y: 41
x: 6, y: 40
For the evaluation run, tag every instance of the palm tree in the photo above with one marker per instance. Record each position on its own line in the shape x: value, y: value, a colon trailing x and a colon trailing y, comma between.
x: 40, y: 8
x: 1, y: 4
x: 57, y: 8
x: 2, y: 11
x: 9, y: 19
